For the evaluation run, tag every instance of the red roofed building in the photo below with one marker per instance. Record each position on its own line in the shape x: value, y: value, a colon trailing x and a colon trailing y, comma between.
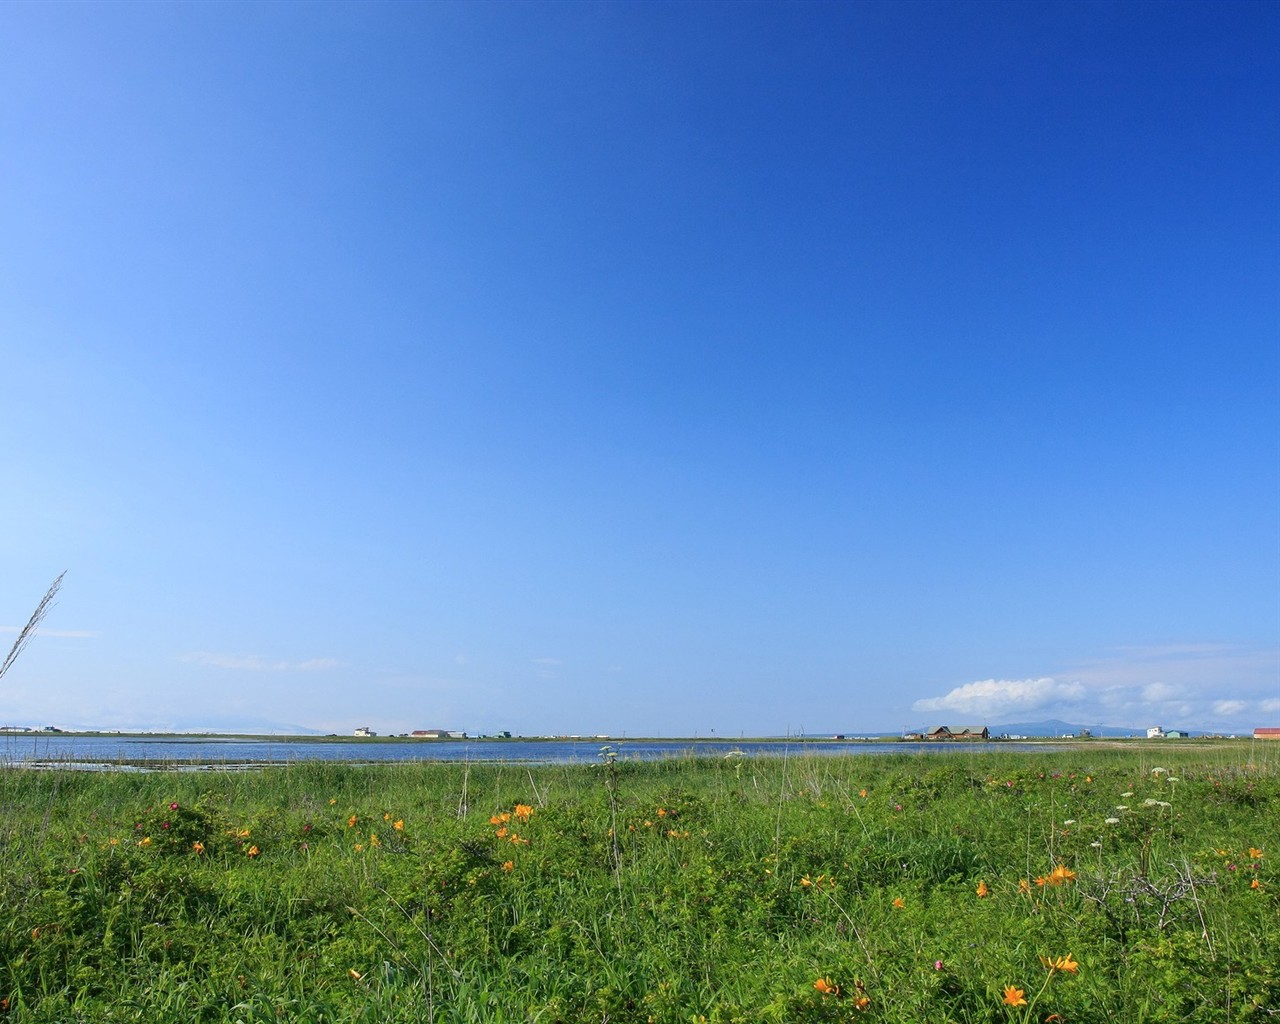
x: 1266, y: 734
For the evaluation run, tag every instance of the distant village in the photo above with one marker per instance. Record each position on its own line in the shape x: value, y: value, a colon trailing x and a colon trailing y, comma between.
x: 961, y: 733
x: 939, y: 733
x: 364, y: 732
x: 935, y: 734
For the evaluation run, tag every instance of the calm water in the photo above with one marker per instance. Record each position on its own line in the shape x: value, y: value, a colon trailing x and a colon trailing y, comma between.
x: 52, y: 750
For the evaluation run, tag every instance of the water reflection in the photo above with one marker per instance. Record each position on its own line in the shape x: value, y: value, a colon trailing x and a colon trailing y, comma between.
x: 126, y: 752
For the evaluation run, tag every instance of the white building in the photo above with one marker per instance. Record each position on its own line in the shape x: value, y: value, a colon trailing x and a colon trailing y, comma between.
x: 364, y: 732
x: 1156, y: 732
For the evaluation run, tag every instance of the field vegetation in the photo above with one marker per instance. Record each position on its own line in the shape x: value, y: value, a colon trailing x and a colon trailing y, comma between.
x: 1076, y: 886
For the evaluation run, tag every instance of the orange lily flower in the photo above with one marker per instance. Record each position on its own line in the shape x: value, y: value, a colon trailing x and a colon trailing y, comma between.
x: 1014, y: 996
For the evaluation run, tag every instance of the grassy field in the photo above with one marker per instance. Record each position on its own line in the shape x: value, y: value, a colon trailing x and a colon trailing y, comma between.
x: 1098, y: 884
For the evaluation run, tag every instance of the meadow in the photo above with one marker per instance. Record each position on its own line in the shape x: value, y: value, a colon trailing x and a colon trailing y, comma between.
x: 1134, y: 884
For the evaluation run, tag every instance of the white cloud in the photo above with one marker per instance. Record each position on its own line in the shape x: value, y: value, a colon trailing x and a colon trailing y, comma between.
x: 1192, y: 686
x: 310, y: 665
x: 1197, y: 686
x: 996, y: 697
x: 1187, y: 669
x: 1158, y: 693
x: 257, y: 663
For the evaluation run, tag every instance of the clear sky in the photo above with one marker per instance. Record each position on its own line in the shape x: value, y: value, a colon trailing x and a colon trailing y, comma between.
x: 645, y: 368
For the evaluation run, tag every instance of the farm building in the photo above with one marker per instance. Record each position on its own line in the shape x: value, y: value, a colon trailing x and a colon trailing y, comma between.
x: 959, y: 732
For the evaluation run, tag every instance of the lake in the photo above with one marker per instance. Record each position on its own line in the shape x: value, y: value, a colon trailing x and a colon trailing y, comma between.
x: 66, y: 750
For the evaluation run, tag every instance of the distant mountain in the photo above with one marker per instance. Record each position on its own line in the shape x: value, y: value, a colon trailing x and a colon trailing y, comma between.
x: 244, y: 726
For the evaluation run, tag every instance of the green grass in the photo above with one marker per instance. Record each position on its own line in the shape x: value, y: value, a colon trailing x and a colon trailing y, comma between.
x: 682, y: 891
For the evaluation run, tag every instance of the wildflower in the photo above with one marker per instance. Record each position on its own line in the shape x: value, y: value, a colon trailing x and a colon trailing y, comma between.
x: 1112, y: 821
x: 1042, y: 880
x: 1061, y: 963
x: 144, y: 841
x: 805, y: 881
x: 359, y: 847
x: 374, y: 840
x: 862, y: 793
x: 1127, y: 793
x: 113, y: 841
x: 1088, y: 778
x: 501, y: 833
x: 517, y: 840
x: 164, y: 825
x: 662, y: 812
x: 351, y: 821
x: 1255, y: 884
x: 1014, y: 996
x: 355, y: 975
x: 1069, y: 821
x: 524, y: 812
x: 899, y: 903
x: 197, y: 847
x: 827, y: 987
x: 508, y: 866
x: 500, y: 819
x: 398, y: 825
x: 1024, y: 887
x: 1255, y: 853
x: 253, y: 851
x: 982, y: 890
x: 1122, y: 807
x: 937, y: 965
x: 861, y: 1002
x: 332, y: 800
x: 1096, y: 845
x: 173, y: 807
x: 1159, y: 771
x: 1061, y: 875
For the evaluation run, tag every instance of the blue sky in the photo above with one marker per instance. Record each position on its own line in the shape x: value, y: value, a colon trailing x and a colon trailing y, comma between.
x: 641, y: 368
